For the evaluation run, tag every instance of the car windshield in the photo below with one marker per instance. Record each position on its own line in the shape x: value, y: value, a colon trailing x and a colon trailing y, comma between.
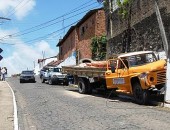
x: 27, y: 72
x: 56, y: 69
x: 141, y: 59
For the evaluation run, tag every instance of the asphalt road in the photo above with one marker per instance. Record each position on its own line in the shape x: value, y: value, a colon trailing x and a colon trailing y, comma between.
x: 57, y: 107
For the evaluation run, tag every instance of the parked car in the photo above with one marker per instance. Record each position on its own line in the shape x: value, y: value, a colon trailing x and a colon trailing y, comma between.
x: 27, y: 76
x: 43, y: 71
x: 54, y: 76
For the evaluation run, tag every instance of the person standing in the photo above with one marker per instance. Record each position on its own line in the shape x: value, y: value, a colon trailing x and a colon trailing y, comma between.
x: 3, y: 72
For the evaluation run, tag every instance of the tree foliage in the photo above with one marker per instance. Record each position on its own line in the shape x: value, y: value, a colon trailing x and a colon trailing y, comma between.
x: 98, y: 48
x: 124, y: 8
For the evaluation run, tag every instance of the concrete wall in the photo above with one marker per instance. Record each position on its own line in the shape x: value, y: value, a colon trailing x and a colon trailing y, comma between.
x: 145, y: 27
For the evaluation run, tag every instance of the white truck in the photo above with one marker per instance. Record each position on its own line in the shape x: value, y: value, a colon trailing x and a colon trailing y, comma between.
x: 54, y: 76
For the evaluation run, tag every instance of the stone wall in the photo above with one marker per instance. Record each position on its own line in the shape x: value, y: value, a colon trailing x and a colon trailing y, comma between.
x: 145, y: 28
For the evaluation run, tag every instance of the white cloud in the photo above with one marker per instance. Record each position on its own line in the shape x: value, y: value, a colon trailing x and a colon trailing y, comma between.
x: 16, y: 7
x: 25, y: 55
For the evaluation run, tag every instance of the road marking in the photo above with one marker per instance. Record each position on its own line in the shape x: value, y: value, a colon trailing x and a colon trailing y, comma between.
x: 15, y: 109
x: 75, y: 94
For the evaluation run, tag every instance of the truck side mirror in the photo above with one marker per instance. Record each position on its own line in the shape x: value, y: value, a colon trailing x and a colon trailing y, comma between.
x: 112, y: 68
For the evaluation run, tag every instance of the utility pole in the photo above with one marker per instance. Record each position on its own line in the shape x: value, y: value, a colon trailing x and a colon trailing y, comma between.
x: 166, y: 48
x: 43, y: 62
x: 34, y: 64
x: 110, y: 32
x: 1, y: 39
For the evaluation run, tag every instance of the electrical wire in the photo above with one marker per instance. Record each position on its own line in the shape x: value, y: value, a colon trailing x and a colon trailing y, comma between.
x: 53, y: 32
x: 50, y: 24
x: 15, y: 8
x: 18, y: 7
x: 77, y: 9
x: 73, y: 11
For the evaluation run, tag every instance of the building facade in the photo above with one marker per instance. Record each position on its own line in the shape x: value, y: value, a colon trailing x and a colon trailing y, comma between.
x: 78, y: 38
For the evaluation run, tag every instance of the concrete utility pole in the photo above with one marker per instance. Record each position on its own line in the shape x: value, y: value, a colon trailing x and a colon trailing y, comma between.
x: 111, y: 26
x: 166, y: 48
x: 1, y: 39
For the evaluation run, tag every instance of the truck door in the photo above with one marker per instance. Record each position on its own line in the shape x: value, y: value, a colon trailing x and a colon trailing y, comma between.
x: 120, y: 77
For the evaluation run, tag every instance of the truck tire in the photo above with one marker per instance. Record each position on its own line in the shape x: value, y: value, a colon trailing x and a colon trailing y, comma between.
x: 140, y: 95
x: 82, y: 86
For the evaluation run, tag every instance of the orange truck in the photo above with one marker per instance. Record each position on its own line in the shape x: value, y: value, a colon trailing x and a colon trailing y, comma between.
x: 139, y: 74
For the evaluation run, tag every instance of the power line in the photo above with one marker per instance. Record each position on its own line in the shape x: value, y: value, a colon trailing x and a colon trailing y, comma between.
x: 53, y: 32
x: 42, y: 37
x: 50, y: 24
x: 45, y: 36
x: 15, y: 7
x: 55, y: 19
x: 18, y: 7
x: 73, y: 11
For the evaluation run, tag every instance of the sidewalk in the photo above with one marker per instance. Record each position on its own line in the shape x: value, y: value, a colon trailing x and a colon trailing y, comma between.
x: 6, y: 107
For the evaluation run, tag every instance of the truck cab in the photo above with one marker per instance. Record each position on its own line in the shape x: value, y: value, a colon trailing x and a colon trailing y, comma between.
x: 136, y: 73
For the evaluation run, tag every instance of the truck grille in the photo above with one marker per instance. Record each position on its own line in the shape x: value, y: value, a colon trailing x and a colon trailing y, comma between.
x: 60, y: 76
x: 161, y: 77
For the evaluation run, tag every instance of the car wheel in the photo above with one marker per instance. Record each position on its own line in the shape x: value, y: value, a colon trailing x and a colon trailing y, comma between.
x: 50, y: 82
x: 42, y: 80
x: 21, y: 81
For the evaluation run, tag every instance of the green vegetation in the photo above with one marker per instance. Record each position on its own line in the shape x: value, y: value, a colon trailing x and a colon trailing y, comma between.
x: 98, y: 47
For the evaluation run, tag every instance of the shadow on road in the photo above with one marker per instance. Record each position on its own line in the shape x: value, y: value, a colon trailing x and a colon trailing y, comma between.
x: 112, y: 96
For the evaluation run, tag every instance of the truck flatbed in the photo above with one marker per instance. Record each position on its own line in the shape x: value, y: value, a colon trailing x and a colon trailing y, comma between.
x: 84, y: 71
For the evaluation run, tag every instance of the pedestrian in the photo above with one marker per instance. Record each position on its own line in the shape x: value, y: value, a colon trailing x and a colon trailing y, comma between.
x: 3, y: 72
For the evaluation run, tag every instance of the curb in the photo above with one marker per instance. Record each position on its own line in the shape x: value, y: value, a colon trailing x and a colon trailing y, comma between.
x: 15, y: 109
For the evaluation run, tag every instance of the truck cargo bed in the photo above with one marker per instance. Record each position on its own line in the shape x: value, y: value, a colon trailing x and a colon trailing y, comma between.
x: 84, y: 71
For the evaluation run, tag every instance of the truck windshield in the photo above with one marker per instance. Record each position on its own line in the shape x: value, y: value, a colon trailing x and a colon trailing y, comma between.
x: 57, y: 70
x: 27, y: 72
x: 141, y: 59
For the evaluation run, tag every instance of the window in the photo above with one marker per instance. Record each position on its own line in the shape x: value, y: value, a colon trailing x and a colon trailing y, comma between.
x: 86, y: 26
x: 141, y: 59
x: 61, y: 50
x: 121, y: 64
x: 27, y: 72
x: 56, y: 70
x: 82, y: 30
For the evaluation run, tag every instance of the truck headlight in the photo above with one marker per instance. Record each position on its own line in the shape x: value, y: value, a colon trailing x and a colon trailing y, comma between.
x: 54, y: 75
x: 143, y: 75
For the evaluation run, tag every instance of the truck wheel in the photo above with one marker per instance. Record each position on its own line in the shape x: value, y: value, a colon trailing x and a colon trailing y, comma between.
x: 140, y: 95
x: 42, y: 80
x: 82, y: 87
x: 50, y: 82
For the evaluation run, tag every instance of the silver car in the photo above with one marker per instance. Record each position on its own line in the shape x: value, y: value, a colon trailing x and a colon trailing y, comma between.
x: 27, y: 76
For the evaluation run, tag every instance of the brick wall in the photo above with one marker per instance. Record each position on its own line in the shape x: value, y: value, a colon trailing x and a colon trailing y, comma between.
x: 69, y: 45
x: 94, y: 26
x: 145, y: 28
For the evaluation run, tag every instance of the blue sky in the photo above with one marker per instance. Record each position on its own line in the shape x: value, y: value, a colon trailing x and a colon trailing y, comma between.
x: 20, y: 31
